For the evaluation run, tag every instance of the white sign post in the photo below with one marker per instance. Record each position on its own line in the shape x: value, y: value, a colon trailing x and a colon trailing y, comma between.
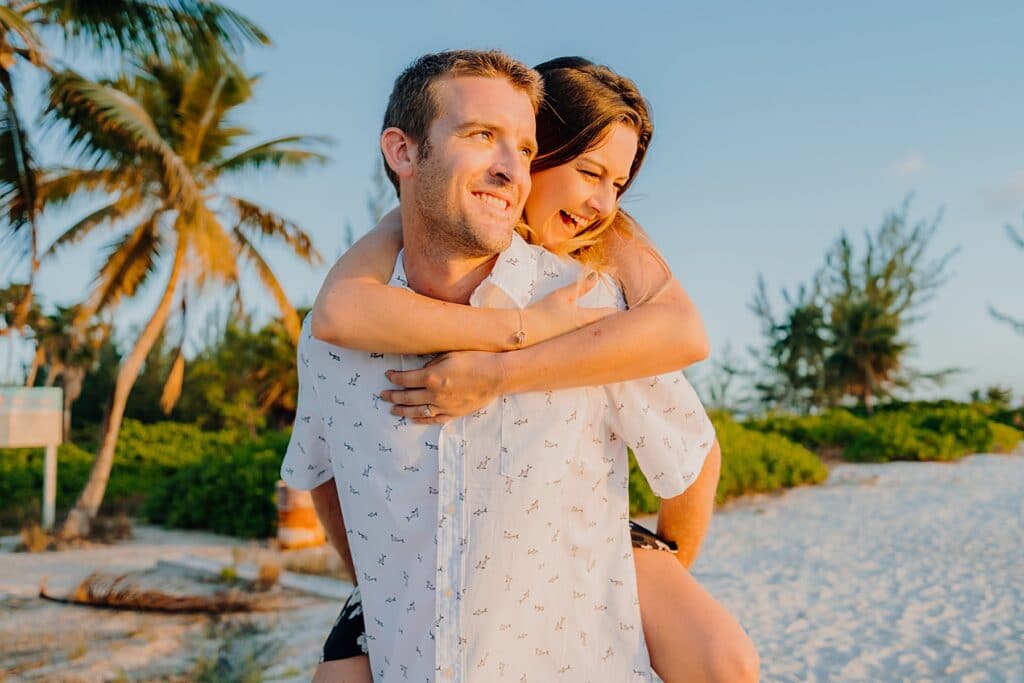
x: 30, y: 418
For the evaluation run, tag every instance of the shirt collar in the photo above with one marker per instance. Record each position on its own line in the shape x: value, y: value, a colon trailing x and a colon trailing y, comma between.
x: 514, y: 274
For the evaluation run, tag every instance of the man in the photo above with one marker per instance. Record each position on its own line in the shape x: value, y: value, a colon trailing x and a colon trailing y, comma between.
x: 495, y: 545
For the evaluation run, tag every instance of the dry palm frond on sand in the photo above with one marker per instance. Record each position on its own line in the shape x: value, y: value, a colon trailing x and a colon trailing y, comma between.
x: 119, y: 592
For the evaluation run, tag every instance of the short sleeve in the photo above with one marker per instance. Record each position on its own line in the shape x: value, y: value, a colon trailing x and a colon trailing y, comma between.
x: 662, y: 420
x: 307, y: 462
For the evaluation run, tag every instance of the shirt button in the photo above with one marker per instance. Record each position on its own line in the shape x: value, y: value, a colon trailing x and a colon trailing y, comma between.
x: 450, y: 509
x: 449, y: 672
x: 449, y: 593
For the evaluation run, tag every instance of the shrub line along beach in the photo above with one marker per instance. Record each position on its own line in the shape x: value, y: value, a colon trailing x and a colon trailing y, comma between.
x: 224, y: 481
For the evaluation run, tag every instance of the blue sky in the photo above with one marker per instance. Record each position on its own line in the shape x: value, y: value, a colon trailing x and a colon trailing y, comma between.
x: 777, y: 125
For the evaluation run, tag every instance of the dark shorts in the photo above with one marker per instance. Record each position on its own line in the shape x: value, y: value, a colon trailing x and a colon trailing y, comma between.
x: 348, y: 637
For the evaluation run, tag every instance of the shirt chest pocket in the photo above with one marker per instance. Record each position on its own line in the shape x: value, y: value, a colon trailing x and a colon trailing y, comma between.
x: 540, y: 432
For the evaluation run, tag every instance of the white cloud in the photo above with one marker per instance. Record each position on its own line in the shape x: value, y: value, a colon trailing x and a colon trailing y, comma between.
x: 909, y: 166
x: 1008, y: 196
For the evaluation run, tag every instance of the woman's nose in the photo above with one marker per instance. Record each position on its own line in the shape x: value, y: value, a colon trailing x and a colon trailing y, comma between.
x: 602, y: 202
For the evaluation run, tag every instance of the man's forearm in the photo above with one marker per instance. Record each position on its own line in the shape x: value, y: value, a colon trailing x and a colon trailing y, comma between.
x: 328, y: 509
x: 685, y: 518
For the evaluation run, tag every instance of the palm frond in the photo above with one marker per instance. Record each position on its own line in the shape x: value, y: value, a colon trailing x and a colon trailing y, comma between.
x: 255, y: 219
x: 249, y: 253
x: 18, y: 173
x: 212, y: 248
x: 129, y: 264
x: 59, y: 185
x: 292, y: 151
x: 104, y: 121
x: 104, y: 215
x: 196, y: 30
x: 14, y: 23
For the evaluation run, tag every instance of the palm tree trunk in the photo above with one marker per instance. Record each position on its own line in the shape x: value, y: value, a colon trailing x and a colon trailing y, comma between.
x: 71, y: 381
x: 86, y: 508
x: 27, y: 189
x: 37, y: 361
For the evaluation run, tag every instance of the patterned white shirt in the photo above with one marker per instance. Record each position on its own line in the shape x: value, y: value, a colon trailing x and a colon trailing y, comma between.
x: 496, y: 546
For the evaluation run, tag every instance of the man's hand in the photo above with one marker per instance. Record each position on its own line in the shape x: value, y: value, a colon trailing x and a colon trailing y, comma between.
x: 451, y: 385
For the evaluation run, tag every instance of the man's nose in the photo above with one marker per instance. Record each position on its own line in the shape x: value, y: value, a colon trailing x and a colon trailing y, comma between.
x: 512, y: 167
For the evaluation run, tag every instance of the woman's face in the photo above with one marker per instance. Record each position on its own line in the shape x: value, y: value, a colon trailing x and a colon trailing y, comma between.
x: 566, y: 199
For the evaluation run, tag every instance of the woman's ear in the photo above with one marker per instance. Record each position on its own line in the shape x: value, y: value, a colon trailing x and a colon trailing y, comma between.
x: 399, y: 151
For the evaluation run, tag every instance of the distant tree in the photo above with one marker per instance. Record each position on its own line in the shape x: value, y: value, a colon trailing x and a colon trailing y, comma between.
x: 18, y: 313
x: 723, y: 381
x: 158, y: 140
x: 874, y: 298
x: 1017, y: 324
x: 69, y: 348
x: 846, y: 334
x: 997, y: 396
x: 244, y: 380
x: 796, y: 345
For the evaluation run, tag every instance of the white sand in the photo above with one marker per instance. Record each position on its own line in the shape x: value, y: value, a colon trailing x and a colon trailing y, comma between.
x: 897, y: 572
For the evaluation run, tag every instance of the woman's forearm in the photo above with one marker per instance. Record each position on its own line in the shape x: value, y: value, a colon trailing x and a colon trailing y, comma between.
x: 369, y: 316
x: 651, y: 339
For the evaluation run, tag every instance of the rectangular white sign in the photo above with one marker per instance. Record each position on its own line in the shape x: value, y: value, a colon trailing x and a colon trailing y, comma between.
x: 31, y: 417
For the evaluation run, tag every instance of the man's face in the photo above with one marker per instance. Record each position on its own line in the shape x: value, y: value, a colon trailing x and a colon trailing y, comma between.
x: 471, y: 187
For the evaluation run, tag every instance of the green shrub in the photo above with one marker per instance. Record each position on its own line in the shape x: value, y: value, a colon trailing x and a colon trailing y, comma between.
x: 1012, y: 417
x: 832, y: 429
x: 21, y: 481
x: 1005, y: 439
x: 230, y: 492
x: 894, y: 436
x: 145, y: 458
x: 751, y: 462
x: 966, y: 424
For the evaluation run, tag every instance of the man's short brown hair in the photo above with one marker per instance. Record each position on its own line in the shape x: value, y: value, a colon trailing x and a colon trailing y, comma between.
x: 413, y: 106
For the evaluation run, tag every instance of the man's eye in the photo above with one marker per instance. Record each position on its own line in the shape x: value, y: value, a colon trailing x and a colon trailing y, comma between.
x: 484, y: 135
x: 527, y: 152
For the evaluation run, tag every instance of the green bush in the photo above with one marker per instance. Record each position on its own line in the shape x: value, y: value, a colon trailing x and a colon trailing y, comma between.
x: 751, y: 462
x: 145, y: 458
x: 829, y: 430
x: 231, y: 492
x: 966, y: 424
x: 895, y: 436
x: 21, y: 481
x: 1005, y: 439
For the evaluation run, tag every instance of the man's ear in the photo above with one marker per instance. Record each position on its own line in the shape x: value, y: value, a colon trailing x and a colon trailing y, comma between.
x: 399, y: 151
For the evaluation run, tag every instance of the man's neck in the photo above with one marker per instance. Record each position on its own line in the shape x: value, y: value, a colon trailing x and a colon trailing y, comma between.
x: 434, y: 269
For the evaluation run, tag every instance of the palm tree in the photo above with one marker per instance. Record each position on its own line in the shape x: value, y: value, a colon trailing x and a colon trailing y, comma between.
x: 157, y: 140
x: 195, y: 30
x: 69, y: 349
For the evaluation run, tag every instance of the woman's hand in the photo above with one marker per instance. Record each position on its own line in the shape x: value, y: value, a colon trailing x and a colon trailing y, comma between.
x: 449, y: 386
x: 558, y: 312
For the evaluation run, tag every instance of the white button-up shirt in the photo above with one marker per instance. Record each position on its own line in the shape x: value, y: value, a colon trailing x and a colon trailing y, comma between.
x: 496, y: 546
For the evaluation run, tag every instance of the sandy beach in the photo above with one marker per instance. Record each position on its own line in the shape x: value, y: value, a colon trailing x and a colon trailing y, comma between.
x: 896, y: 572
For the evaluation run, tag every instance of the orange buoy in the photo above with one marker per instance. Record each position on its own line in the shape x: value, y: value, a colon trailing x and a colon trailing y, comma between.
x: 297, y: 523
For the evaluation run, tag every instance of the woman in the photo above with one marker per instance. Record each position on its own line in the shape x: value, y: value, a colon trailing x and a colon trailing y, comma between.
x: 593, y: 131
